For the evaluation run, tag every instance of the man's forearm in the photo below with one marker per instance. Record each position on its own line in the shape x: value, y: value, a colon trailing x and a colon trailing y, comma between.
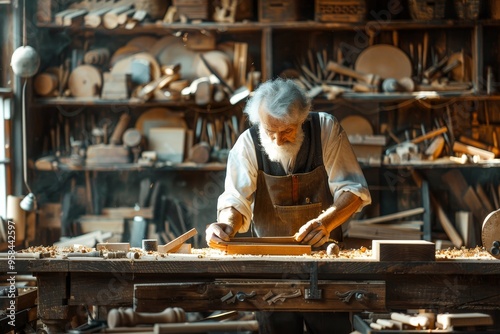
x: 343, y: 208
x: 232, y: 217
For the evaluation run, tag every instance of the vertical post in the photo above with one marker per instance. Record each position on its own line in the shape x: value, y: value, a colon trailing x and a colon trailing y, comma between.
x: 426, y: 203
x: 267, y: 53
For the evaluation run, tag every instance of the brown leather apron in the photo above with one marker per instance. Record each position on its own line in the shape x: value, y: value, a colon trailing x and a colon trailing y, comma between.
x: 283, y: 203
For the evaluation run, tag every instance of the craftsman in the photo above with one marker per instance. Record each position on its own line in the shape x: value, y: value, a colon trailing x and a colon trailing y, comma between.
x: 292, y: 173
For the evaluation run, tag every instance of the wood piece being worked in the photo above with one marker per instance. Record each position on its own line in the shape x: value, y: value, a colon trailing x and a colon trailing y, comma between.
x: 175, y: 244
x: 266, y: 240
x: 403, y: 250
x: 264, y: 249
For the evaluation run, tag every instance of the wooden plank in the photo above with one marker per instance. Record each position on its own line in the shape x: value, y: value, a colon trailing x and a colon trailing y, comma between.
x: 266, y: 249
x: 403, y: 250
x: 393, y: 216
x: 447, y: 224
x: 175, y: 244
x: 481, y: 193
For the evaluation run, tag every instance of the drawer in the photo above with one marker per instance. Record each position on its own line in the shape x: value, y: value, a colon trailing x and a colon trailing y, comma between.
x: 272, y: 295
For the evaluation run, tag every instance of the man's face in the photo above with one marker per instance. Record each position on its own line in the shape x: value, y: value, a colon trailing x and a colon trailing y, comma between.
x: 279, y: 132
x: 281, y: 141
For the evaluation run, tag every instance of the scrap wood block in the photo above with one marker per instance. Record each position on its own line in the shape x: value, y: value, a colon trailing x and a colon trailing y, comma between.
x: 403, y: 250
x: 113, y: 246
x: 464, y: 320
x: 176, y: 244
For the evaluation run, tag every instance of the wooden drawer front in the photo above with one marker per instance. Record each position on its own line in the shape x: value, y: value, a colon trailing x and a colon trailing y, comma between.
x: 261, y: 295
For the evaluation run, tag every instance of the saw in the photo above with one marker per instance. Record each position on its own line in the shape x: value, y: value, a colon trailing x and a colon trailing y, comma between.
x: 490, y: 233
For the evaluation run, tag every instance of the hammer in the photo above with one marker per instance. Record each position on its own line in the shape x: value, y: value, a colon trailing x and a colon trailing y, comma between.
x: 374, y: 81
x: 369, y: 79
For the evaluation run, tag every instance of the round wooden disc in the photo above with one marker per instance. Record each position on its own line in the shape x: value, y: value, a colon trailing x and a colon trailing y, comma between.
x: 45, y: 84
x: 218, y: 60
x: 385, y: 60
x: 356, y: 125
x: 491, y: 230
x: 85, y: 81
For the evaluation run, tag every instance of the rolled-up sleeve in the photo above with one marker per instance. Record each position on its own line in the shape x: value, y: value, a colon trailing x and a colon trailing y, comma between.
x: 341, y: 164
x: 241, y: 179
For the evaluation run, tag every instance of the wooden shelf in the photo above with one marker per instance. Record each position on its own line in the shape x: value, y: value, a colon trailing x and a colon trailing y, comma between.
x: 159, y: 27
x: 158, y: 167
x: 97, y: 102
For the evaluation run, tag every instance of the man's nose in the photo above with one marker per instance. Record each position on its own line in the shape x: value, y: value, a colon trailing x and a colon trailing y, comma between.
x: 280, y: 139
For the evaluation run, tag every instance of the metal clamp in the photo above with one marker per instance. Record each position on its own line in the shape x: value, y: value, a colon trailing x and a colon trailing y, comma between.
x: 313, y: 292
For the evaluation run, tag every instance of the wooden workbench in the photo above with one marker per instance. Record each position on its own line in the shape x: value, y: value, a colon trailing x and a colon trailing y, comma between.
x: 196, y: 282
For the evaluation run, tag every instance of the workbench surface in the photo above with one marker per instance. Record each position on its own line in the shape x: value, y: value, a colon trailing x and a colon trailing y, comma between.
x: 206, y: 282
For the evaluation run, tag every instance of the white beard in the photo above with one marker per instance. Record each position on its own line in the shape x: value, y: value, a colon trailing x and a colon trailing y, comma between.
x: 285, y: 153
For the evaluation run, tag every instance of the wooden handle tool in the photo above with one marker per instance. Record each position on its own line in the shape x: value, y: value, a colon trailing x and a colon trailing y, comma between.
x: 370, y: 79
x: 128, y: 317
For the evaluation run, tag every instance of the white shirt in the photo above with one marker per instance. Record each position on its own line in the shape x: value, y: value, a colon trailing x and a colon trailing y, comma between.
x: 341, y: 164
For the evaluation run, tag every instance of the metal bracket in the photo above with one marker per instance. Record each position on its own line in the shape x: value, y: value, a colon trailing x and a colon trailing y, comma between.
x: 359, y: 295
x: 313, y: 292
x: 270, y: 298
x: 231, y: 298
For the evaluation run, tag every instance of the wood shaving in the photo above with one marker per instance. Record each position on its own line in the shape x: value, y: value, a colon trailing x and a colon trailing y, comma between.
x: 477, y: 253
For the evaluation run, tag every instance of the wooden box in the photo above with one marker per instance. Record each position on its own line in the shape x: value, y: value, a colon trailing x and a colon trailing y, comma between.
x: 340, y: 10
x: 46, y: 9
x: 26, y: 298
x: 194, y: 9
x: 279, y: 10
x: 244, y: 9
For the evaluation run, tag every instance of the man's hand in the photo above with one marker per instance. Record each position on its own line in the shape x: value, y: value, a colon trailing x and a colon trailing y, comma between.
x: 313, y: 233
x: 217, y: 233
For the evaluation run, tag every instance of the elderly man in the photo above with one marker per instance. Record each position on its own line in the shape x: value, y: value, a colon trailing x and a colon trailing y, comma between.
x: 293, y: 173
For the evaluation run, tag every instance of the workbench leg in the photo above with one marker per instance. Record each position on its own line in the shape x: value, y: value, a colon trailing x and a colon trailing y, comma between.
x: 53, y: 309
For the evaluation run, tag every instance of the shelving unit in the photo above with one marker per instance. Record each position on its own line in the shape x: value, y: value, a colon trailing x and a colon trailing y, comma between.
x: 275, y: 47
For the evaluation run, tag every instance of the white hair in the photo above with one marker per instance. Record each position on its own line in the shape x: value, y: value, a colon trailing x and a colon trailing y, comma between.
x: 282, y: 99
